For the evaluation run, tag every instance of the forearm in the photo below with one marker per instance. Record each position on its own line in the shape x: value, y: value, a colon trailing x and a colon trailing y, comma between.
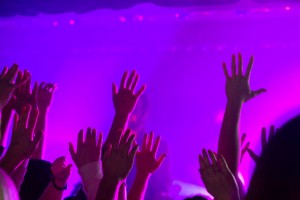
x: 229, y: 136
x: 108, y: 189
x: 5, y: 119
x: 139, y: 187
x: 119, y: 122
x: 10, y: 163
x: 40, y: 125
x: 91, y: 175
x: 19, y: 174
x: 51, y: 193
x: 122, y: 194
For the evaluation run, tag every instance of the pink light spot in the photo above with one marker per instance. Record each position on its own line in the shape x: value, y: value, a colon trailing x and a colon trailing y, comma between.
x: 177, y: 15
x: 122, y: 19
x: 140, y: 18
x: 219, y: 117
x: 287, y: 8
x: 55, y: 23
x: 71, y: 21
x: 266, y: 10
x: 241, y: 178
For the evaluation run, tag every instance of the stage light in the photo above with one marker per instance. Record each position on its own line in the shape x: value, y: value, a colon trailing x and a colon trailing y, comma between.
x: 55, y: 23
x: 71, y: 21
x: 240, y: 175
x: 140, y: 18
x: 287, y: 8
x: 122, y: 19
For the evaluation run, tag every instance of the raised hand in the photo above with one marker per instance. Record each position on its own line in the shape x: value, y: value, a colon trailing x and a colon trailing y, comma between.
x: 88, y: 151
x: 146, y: 164
x: 44, y: 95
x: 264, y: 142
x: 146, y: 161
x: 24, y: 95
x: 8, y: 84
x: 23, y: 142
x: 119, y: 157
x: 218, y: 179
x: 61, y: 171
x: 124, y: 98
x: 237, y: 85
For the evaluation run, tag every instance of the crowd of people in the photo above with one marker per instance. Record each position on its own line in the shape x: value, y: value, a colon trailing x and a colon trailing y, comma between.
x: 105, y: 164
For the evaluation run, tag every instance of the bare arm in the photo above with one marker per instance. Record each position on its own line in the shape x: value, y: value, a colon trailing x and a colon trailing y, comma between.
x: 19, y: 174
x: 124, y: 101
x: 44, y: 98
x: 8, y: 85
x: 147, y: 164
x: 237, y: 91
x: 41, y: 125
x: 87, y: 158
x: 229, y: 136
x: 217, y: 177
x: 5, y: 119
x: 23, y: 142
x: 117, y: 163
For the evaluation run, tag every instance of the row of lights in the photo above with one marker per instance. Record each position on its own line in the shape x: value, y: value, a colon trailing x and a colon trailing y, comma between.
x: 176, y: 49
x: 176, y: 15
x: 121, y: 19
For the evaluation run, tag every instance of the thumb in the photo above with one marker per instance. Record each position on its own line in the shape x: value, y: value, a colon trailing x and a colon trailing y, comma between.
x: 255, y: 93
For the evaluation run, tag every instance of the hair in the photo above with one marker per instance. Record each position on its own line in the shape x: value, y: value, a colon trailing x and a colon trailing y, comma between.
x: 8, y: 190
x: 277, y: 172
x: 195, y: 198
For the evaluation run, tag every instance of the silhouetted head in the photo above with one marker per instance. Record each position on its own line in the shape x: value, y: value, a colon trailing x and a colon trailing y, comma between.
x: 8, y: 189
x: 277, y: 174
x: 195, y: 198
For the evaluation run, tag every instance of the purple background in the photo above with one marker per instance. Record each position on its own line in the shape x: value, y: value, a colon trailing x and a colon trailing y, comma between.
x: 178, y: 53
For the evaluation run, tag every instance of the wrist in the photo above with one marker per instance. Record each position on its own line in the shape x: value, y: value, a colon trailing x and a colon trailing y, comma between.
x: 10, y: 162
x: 59, y: 184
x: 109, y: 180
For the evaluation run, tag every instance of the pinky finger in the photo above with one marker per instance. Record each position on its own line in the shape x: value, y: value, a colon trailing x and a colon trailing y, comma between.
x: 3, y: 73
x: 141, y: 91
x: 72, y: 150
x: 160, y: 160
x: 225, y: 71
